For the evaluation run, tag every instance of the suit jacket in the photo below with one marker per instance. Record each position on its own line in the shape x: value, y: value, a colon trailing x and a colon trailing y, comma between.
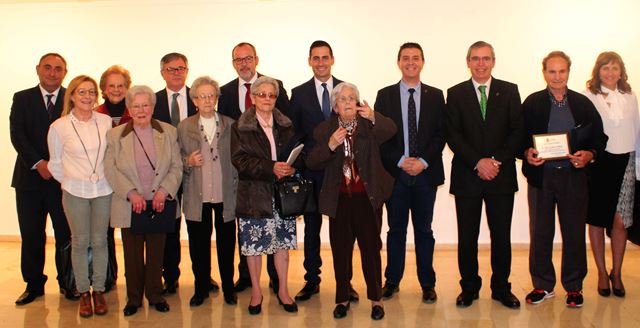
x: 588, y: 134
x: 28, y: 125
x: 431, y: 130
x: 161, y: 110
x: 121, y: 172
x: 378, y: 183
x: 471, y: 138
x: 190, y: 140
x: 228, y: 103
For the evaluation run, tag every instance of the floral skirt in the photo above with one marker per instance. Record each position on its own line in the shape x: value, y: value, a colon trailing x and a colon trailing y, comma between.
x: 259, y: 236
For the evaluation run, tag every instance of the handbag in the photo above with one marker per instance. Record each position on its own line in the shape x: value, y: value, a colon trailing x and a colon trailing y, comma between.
x: 150, y: 221
x: 294, y: 196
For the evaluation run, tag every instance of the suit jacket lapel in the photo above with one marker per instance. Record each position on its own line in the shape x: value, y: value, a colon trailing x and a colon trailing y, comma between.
x: 474, y: 104
x: 494, y: 93
x: 126, y: 148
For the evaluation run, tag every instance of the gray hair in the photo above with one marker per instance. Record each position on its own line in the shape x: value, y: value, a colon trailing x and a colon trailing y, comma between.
x: 139, y: 90
x: 171, y: 57
x: 480, y: 44
x: 203, y: 80
x: 265, y: 80
x: 338, y: 88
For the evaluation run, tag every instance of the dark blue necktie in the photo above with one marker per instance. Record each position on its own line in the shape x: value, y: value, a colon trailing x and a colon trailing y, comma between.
x: 413, y: 125
x: 326, y: 106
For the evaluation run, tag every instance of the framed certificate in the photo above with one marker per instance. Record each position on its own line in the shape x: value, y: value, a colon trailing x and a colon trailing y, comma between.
x: 552, y: 145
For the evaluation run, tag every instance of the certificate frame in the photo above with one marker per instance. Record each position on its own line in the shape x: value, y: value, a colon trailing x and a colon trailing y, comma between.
x: 552, y: 146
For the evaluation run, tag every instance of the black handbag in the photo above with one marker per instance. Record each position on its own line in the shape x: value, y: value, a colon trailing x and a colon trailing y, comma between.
x: 294, y: 196
x: 150, y: 221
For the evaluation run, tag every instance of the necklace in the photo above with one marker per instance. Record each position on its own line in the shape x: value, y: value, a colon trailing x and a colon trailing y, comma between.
x: 94, y: 176
x: 208, y: 136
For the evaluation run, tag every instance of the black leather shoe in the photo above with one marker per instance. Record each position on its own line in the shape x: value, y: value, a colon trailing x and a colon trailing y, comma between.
x: 130, y: 310
x: 213, y: 286
x: 604, y: 292
x: 231, y: 298
x: 170, y: 287
x: 162, y: 306
x: 465, y: 299
x: 197, y: 300
x: 291, y: 307
x: 507, y: 299
x: 255, y: 309
x: 241, y: 284
x: 353, y: 295
x: 28, y: 296
x: 340, y: 311
x: 307, y: 291
x: 389, y: 289
x: 70, y: 294
x: 274, y: 285
x: 429, y: 295
x: 377, y: 312
x: 617, y: 292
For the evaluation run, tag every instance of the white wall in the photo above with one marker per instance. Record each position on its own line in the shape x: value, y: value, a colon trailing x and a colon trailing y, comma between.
x: 365, y: 36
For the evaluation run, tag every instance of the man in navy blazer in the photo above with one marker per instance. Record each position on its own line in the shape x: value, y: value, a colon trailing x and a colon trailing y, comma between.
x: 311, y: 105
x: 37, y: 194
x: 234, y: 100
x: 417, y: 168
x: 173, y: 105
x: 485, y: 130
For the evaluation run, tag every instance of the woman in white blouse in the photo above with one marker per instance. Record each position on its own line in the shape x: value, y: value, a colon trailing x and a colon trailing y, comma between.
x: 76, y: 146
x: 612, y: 185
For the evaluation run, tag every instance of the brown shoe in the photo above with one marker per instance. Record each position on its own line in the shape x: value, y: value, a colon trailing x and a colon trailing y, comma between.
x: 99, y: 304
x: 85, y: 309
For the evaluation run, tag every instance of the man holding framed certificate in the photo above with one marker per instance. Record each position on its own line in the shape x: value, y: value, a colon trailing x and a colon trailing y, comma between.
x: 563, y: 135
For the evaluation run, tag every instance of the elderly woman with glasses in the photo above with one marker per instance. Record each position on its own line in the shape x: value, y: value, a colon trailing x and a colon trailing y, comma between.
x: 76, y: 148
x: 144, y: 167
x: 209, y: 183
x: 354, y: 188
x: 259, y: 142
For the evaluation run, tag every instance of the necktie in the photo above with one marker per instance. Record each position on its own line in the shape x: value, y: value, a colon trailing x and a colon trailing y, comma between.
x: 50, y: 106
x: 413, y: 125
x: 483, y: 100
x: 175, y: 110
x: 247, y: 97
x: 326, y: 106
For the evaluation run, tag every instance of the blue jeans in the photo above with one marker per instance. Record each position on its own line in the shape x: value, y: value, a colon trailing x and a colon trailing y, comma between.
x: 88, y: 220
x: 416, y: 194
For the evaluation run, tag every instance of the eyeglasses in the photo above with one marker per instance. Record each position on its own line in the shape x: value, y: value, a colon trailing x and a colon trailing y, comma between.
x: 478, y: 58
x: 203, y: 97
x: 138, y: 107
x: 84, y: 92
x: 344, y: 100
x: 247, y: 60
x: 264, y: 95
x: 175, y: 70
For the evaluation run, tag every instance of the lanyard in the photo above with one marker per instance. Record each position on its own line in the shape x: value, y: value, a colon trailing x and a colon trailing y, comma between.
x: 144, y: 150
x: 93, y: 177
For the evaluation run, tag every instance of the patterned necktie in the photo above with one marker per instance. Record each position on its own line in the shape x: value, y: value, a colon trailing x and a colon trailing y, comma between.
x: 326, y: 106
x: 483, y: 100
x: 50, y: 106
x: 247, y: 97
x: 413, y: 125
x: 175, y: 110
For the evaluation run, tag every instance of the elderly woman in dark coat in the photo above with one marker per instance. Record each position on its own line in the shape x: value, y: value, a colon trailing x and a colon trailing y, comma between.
x: 354, y: 188
x: 259, y: 141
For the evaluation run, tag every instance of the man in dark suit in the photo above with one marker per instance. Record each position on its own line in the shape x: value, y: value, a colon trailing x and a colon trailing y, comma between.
x: 235, y: 98
x: 37, y: 194
x: 414, y: 158
x: 484, y: 131
x: 173, y: 104
x: 311, y: 105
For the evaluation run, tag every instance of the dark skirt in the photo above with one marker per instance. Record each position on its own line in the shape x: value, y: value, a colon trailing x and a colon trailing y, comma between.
x: 607, y: 174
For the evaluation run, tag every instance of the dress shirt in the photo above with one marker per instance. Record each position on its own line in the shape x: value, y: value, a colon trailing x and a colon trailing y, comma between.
x: 476, y: 85
x: 404, y: 107
x: 320, y: 89
x: 242, y: 90
x: 68, y: 161
x: 182, y: 101
x: 45, y: 93
x: 619, y: 113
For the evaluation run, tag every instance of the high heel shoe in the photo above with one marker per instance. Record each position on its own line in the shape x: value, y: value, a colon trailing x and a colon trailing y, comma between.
x: 604, y: 292
x: 291, y: 308
x: 617, y: 292
x: 255, y: 309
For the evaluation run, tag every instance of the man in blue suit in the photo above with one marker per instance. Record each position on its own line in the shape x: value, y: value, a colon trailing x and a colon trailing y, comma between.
x: 414, y: 158
x: 311, y: 105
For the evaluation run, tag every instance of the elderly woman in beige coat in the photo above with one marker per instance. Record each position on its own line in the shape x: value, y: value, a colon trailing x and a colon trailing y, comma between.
x: 209, y: 185
x: 144, y: 167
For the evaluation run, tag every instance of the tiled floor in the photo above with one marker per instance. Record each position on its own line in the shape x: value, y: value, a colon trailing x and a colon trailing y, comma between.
x: 404, y: 310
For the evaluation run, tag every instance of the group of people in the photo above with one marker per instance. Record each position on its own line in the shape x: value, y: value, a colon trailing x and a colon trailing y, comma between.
x: 212, y: 153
